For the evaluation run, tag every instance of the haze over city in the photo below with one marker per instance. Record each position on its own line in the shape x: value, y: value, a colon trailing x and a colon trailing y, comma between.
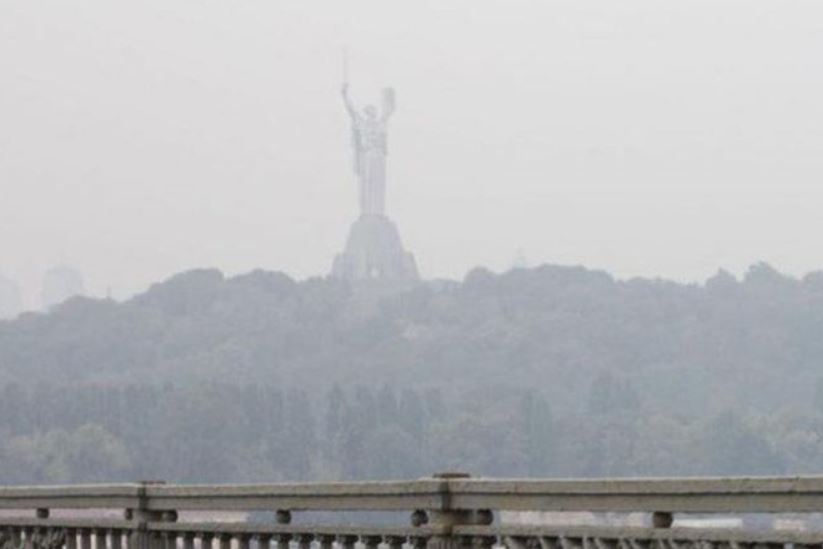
x: 546, y: 274
x: 646, y: 138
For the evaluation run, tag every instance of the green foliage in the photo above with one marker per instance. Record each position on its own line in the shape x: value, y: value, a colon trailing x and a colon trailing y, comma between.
x: 89, y: 452
x: 545, y: 371
x: 223, y: 432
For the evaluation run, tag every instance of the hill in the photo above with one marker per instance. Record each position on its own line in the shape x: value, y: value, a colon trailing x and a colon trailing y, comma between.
x: 754, y: 342
x: 553, y: 370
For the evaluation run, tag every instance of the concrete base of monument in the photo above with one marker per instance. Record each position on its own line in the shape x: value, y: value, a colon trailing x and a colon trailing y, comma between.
x: 375, y: 252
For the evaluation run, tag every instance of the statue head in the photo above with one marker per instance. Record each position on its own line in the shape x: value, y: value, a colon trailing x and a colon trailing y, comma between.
x: 370, y: 111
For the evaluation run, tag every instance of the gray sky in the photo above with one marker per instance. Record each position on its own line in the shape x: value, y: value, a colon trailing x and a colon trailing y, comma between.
x: 647, y: 137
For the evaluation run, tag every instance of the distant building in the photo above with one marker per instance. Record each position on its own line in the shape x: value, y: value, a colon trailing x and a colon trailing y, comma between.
x: 11, y: 303
x: 520, y: 260
x: 60, y: 284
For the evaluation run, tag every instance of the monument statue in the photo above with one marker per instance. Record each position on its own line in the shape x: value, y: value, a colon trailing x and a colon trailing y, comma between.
x: 370, y: 148
x: 373, y: 250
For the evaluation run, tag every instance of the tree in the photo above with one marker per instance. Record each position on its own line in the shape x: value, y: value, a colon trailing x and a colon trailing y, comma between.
x: 89, y: 453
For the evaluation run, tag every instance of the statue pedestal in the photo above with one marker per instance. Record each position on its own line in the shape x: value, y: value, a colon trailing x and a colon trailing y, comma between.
x: 374, y: 252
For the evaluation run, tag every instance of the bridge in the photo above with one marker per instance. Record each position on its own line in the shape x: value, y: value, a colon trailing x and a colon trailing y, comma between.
x: 447, y: 511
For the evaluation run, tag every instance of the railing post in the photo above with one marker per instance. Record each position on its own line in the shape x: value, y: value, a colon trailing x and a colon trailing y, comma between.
x: 443, y: 520
x: 85, y: 538
x: 243, y: 541
x: 283, y: 540
x: 116, y: 537
x: 263, y: 541
x: 100, y: 541
x: 139, y: 536
x: 71, y: 538
x: 326, y: 541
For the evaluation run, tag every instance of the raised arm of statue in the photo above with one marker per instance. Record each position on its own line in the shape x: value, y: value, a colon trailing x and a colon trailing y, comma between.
x: 347, y: 101
x: 388, y: 103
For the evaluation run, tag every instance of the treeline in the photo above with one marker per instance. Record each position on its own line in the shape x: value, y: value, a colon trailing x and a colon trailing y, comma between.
x: 546, y: 371
x: 222, y: 432
x: 687, y: 348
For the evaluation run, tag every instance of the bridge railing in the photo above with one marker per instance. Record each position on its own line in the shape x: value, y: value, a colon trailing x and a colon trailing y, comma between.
x: 448, y: 511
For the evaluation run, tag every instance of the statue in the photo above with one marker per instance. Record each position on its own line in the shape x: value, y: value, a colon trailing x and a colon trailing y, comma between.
x: 370, y: 147
x: 374, y: 251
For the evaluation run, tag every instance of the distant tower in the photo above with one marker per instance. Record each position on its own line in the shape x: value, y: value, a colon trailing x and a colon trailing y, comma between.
x: 11, y: 304
x: 520, y: 260
x: 374, y: 250
x: 60, y: 284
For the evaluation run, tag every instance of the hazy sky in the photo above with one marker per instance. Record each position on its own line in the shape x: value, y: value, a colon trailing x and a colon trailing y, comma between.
x: 646, y: 137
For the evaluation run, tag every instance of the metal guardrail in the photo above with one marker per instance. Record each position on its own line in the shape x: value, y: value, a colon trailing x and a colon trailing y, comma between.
x: 446, y: 512
x: 688, y: 495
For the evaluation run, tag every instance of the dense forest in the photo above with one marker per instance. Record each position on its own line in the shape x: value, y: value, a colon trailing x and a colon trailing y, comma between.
x: 548, y: 371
